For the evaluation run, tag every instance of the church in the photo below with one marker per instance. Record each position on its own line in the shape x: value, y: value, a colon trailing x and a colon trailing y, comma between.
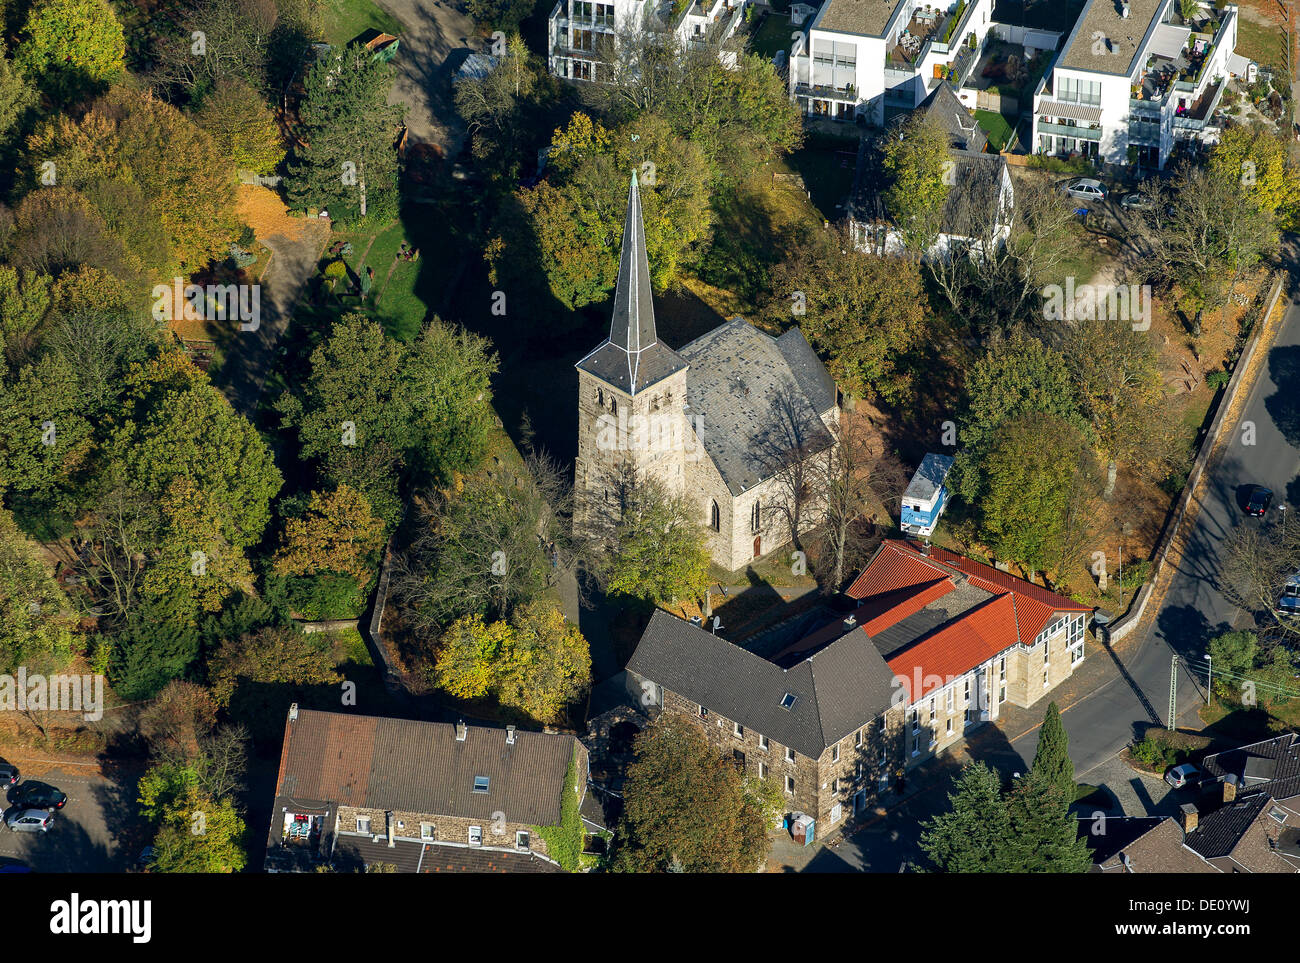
x: 733, y: 421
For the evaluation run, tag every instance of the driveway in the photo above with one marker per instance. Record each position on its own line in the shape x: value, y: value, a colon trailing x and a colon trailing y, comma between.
x: 97, y: 831
x: 433, y: 31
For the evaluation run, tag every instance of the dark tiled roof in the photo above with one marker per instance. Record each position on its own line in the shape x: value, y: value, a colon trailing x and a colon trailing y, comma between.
x: 978, y: 180
x: 1218, y: 833
x: 843, y: 686
x: 354, y: 853
x: 738, y: 377
x: 420, y: 767
x: 808, y: 370
x: 1271, y: 766
x: 943, y: 108
x: 633, y: 357
x: 1159, y: 851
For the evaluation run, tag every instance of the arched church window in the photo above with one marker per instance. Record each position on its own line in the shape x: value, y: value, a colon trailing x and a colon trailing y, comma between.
x: 755, y: 516
x: 600, y: 397
x: 715, y: 517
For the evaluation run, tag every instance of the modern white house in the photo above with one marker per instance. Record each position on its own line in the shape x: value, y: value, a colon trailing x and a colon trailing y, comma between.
x: 1134, y: 79
x: 859, y: 56
x: 581, y: 32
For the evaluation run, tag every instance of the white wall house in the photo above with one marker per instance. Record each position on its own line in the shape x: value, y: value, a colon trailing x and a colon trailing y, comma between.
x: 1133, y: 79
x: 578, y: 29
x: 859, y: 56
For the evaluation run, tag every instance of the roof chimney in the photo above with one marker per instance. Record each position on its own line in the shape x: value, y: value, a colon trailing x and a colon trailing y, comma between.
x: 388, y: 817
x: 1128, y: 863
x: 850, y: 621
x: 293, y: 712
x: 462, y: 731
x: 1123, y: 9
x: 510, y: 735
x: 1229, y: 788
x: 1190, y: 817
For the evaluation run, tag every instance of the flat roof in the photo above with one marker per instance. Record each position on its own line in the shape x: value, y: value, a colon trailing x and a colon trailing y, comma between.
x: 1104, y: 41
x: 867, y: 18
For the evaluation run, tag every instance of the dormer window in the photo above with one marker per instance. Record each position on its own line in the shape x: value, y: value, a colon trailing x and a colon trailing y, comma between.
x: 480, y: 783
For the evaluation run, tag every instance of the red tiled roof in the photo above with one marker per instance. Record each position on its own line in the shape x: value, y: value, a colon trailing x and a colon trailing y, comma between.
x: 957, y: 648
x: 900, y: 581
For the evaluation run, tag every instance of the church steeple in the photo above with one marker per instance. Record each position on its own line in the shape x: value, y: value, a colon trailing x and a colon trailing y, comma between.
x: 632, y: 357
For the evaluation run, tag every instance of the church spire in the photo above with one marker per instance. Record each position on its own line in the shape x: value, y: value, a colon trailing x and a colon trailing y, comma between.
x: 632, y: 357
x: 633, y: 325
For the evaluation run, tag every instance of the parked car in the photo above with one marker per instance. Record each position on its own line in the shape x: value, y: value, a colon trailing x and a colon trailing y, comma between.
x: 1086, y: 188
x: 20, y: 820
x: 8, y: 774
x: 1256, y: 501
x: 38, y: 795
x: 1289, y: 603
x: 1184, y: 775
x: 1136, y: 202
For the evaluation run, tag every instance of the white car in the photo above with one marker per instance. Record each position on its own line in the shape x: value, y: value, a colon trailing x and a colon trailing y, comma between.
x: 1086, y: 188
x: 1184, y: 775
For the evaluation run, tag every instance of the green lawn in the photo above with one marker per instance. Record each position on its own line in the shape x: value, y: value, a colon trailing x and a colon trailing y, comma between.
x: 393, y: 301
x: 345, y: 19
x: 773, y: 34
x: 998, y: 128
x: 1260, y: 43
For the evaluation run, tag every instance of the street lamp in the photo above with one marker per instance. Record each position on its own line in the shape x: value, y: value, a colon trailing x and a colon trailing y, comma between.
x: 1209, y: 679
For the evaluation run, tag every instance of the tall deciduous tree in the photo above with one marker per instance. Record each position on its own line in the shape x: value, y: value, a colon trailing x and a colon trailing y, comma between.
x: 36, y: 623
x: 347, y: 134
x: 657, y: 547
x: 688, y: 807
x: 337, y: 533
x: 72, y: 45
x: 242, y: 126
x: 577, y: 213
x: 864, y: 312
x: 200, y: 835
x: 914, y: 157
x: 1041, y: 480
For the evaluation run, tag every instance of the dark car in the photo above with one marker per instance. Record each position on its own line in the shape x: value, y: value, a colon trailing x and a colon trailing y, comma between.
x: 39, y: 795
x: 1257, y: 500
x: 8, y: 774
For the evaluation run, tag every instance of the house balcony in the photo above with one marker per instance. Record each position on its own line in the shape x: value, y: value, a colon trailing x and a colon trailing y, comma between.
x: 839, y: 94
x: 1065, y: 130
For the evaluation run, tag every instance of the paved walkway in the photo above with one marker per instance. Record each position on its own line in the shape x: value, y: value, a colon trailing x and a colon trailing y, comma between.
x: 433, y: 31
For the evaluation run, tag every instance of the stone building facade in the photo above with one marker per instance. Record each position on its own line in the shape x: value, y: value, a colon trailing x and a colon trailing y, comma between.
x: 715, y: 422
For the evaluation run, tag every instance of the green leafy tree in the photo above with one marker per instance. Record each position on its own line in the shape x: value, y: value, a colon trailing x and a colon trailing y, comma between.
x: 1233, y: 654
x: 1018, y: 376
x: 504, y: 15
x: 1041, y: 484
x: 688, y: 806
x: 273, y: 656
x: 176, y: 424
x: 18, y: 97
x: 577, y: 213
x: 1052, y: 758
x: 863, y: 312
x: 971, y: 836
x: 36, y: 623
x: 538, y: 664
x: 72, y: 45
x: 243, y: 126
x: 659, y: 550
x: 346, y: 160
x: 914, y: 157
x: 200, y: 835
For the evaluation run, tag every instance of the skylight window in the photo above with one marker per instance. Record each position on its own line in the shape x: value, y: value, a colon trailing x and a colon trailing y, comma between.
x: 1278, y: 814
x: 788, y: 700
x: 480, y: 783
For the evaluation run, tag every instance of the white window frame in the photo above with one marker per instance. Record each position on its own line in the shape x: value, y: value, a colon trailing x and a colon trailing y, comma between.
x: 475, y: 836
x: 763, y: 743
x: 527, y: 845
x: 738, y: 730
x: 835, y: 752
x: 789, y: 785
x: 836, y: 813
x: 789, y: 754
x: 363, y: 824
x: 428, y: 832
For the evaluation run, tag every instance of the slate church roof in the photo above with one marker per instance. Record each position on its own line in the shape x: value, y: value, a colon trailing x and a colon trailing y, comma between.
x: 736, y: 373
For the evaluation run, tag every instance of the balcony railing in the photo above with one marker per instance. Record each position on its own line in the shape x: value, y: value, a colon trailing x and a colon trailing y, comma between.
x: 822, y: 92
x: 1063, y: 130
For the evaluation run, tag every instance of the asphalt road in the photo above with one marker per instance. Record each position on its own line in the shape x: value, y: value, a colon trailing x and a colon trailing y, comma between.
x: 1194, y: 608
x: 97, y: 831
